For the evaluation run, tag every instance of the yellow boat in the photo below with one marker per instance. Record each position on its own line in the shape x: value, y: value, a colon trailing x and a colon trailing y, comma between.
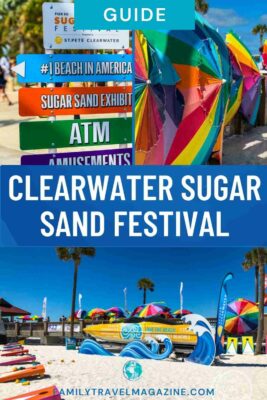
x: 127, y: 331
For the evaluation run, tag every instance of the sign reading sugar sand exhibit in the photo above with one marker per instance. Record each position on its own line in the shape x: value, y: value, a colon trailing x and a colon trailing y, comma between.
x: 61, y: 68
x: 60, y: 34
x: 59, y: 134
x: 73, y: 101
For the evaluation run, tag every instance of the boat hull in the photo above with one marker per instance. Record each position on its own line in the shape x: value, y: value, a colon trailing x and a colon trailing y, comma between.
x: 127, y: 332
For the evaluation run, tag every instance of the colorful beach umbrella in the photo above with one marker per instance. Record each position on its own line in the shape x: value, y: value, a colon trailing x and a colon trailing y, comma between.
x: 25, y: 318
x: 200, y: 60
x: 237, y: 86
x: 153, y: 309
x: 116, y: 312
x: 136, y: 311
x: 251, y: 75
x: 241, y: 317
x: 159, y: 104
x: 96, y: 312
x: 180, y: 313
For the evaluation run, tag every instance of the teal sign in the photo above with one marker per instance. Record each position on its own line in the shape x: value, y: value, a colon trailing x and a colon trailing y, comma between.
x: 135, y: 14
x: 132, y: 370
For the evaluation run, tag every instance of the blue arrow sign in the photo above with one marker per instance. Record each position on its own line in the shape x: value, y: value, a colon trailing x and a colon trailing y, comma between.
x: 60, y: 68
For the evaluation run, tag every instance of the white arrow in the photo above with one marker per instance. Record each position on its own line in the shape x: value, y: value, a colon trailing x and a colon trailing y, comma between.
x: 20, y: 69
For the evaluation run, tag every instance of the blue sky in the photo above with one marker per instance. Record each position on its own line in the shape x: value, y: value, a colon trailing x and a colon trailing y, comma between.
x: 29, y: 274
x: 239, y: 15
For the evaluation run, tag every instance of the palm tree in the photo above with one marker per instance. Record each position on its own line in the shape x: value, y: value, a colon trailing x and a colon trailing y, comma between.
x: 145, y: 285
x: 74, y: 254
x: 202, y: 6
x: 260, y: 30
x: 258, y: 258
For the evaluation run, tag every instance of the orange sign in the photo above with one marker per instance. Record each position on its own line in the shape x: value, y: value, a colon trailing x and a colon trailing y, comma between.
x: 74, y: 101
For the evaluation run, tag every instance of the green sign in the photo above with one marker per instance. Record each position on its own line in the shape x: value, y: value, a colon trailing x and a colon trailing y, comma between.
x: 75, y: 133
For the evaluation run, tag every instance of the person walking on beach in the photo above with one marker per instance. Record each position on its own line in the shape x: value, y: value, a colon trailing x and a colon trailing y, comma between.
x: 4, y: 74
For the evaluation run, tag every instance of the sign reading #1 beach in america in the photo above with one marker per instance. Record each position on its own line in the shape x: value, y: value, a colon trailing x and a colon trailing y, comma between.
x: 74, y: 133
x: 52, y: 68
x: 99, y: 157
x: 75, y: 101
x: 59, y: 32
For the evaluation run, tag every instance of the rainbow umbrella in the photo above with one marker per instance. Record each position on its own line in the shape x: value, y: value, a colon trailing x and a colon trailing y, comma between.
x: 241, y: 317
x: 237, y: 87
x: 96, y: 312
x: 159, y: 104
x: 251, y: 75
x: 117, y: 312
x: 25, y: 318
x: 153, y: 309
x: 264, y: 55
x: 201, y: 61
x: 136, y: 311
x: 180, y: 313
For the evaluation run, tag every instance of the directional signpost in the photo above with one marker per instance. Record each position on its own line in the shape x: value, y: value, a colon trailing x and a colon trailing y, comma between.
x: 75, y: 133
x: 101, y: 157
x: 60, y: 33
x: 57, y: 68
x: 74, y: 101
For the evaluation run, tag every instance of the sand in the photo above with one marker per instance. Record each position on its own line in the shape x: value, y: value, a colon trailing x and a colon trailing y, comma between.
x: 235, y: 378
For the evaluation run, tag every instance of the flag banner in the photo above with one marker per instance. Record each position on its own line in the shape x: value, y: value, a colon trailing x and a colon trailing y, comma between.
x: 221, y: 314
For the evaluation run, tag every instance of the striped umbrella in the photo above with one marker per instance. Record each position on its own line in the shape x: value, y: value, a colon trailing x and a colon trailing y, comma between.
x: 251, y: 75
x: 153, y: 309
x: 117, y: 312
x: 200, y: 60
x: 180, y: 313
x: 96, y: 312
x: 241, y: 317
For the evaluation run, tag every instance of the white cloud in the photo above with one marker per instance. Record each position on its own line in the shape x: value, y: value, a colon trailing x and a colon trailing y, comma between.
x: 225, y: 17
x: 263, y: 19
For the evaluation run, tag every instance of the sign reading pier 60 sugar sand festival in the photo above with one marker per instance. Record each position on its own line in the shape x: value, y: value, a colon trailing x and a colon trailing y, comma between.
x: 73, y: 101
x: 59, y: 32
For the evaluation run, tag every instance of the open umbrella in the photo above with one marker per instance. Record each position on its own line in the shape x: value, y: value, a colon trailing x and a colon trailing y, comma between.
x: 241, y: 317
x: 136, y: 311
x: 180, y: 313
x: 251, y: 75
x: 117, y: 312
x: 25, y: 318
x: 201, y: 61
x: 96, y: 312
x: 152, y: 309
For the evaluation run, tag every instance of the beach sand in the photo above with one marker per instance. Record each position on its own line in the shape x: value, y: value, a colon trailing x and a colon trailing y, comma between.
x: 235, y: 378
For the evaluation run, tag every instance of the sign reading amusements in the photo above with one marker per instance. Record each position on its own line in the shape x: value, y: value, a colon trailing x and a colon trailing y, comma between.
x: 74, y: 101
x: 75, y: 133
x: 93, y: 158
x: 52, y: 68
x: 60, y: 34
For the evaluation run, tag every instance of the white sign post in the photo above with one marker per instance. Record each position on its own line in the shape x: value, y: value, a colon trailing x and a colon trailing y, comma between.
x: 60, y: 34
